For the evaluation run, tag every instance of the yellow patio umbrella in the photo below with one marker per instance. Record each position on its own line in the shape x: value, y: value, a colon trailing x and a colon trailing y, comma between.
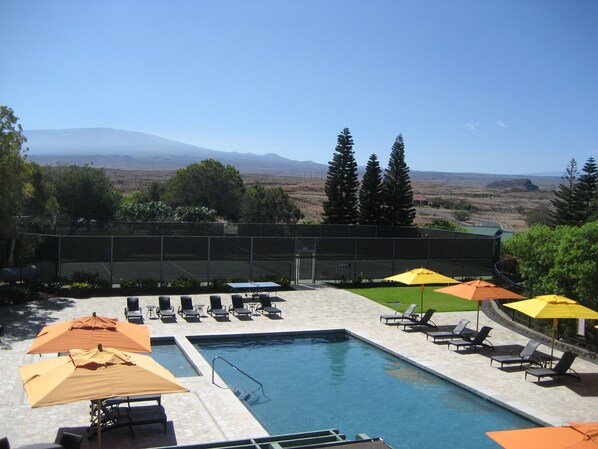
x: 479, y: 290
x: 573, y: 436
x: 89, y: 331
x: 421, y: 276
x: 96, y: 374
x: 555, y: 307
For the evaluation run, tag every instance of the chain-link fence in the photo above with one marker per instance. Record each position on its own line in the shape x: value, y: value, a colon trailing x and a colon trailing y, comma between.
x: 303, y: 259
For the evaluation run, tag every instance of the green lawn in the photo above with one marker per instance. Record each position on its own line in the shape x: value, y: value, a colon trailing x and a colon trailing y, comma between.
x: 412, y: 295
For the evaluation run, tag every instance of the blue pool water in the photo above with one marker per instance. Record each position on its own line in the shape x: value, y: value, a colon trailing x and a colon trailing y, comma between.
x: 170, y: 356
x: 332, y: 380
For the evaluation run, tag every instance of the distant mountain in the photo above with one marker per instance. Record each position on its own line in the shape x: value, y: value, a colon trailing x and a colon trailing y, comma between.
x: 127, y: 150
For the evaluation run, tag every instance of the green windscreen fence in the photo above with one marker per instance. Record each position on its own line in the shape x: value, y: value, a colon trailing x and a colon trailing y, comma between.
x: 302, y: 259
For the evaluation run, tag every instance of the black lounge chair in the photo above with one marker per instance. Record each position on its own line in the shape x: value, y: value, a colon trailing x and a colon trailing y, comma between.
x: 423, y: 321
x: 165, y: 310
x: 526, y: 355
x: 237, y: 307
x: 460, y: 330
x: 133, y: 309
x: 562, y: 368
x: 406, y: 315
x: 480, y: 339
x: 215, y: 309
x: 186, y: 309
x: 267, y: 307
x: 69, y: 440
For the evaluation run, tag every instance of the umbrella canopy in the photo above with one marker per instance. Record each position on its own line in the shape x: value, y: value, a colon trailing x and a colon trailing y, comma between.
x: 95, y: 375
x: 574, y: 436
x: 421, y: 276
x: 479, y: 290
x: 555, y: 307
x: 89, y: 331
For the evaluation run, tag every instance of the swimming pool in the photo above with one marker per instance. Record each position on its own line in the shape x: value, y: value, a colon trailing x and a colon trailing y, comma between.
x: 332, y: 380
x: 166, y: 352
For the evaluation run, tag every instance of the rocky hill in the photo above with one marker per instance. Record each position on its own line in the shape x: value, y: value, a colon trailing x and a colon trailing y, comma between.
x: 518, y: 184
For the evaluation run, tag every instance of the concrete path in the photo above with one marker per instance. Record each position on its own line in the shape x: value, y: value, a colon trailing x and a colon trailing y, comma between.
x: 208, y: 413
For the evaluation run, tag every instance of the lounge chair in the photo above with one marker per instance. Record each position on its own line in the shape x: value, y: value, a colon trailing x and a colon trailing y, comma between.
x: 165, y: 310
x: 69, y: 440
x: 267, y: 307
x: 562, y: 368
x: 215, y: 309
x: 186, y: 309
x: 526, y: 355
x: 133, y: 309
x: 423, y: 321
x: 480, y: 339
x: 237, y: 307
x: 406, y: 315
x: 460, y: 330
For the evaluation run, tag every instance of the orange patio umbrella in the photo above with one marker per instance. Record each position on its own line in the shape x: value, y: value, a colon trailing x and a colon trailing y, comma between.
x: 421, y: 276
x: 95, y: 374
x: 573, y: 436
x: 479, y: 290
x: 89, y: 331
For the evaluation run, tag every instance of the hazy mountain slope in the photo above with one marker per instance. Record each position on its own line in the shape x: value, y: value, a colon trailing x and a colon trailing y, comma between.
x: 113, y: 148
x: 127, y: 150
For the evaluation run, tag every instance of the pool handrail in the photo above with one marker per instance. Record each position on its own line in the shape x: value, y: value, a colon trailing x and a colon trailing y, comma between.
x: 238, y: 369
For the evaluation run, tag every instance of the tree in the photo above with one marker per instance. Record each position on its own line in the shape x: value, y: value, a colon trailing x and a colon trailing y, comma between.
x: 586, y: 191
x: 565, y: 202
x: 148, y: 211
x: 446, y: 225
x: 13, y: 180
x: 84, y: 194
x: 560, y: 260
x: 269, y: 205
x: 342, y: 183
x: 209, y: 184
x: 41, y: 205
x: 153, y: 192
x: 538, y: 215
x: 194, y: 214
x: 370, y: 193
x: 397, y: 192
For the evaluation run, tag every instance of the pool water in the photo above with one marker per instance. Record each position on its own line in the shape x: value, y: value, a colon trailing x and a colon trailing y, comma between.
x: 333, y: 380
x: 170, y: 356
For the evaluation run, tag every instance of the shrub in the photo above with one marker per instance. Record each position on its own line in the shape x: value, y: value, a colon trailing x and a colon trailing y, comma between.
x: 148, y: 284
x: 219, y: 283
x: 185, y: 283
x: 14, y: 295
x: 80, y: 288
x: 85, y: 277
x: 358, y: 279
x: 129, y: 284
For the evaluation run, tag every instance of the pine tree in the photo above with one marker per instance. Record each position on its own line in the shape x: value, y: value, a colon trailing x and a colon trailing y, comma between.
x: 342, y: 183
x: 397, y: 192
x: 370, y: 194
x: 565, y: 203
x: 586, y: 191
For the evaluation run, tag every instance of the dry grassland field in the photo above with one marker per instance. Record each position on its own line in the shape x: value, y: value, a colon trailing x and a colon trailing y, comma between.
x: 500, y: 205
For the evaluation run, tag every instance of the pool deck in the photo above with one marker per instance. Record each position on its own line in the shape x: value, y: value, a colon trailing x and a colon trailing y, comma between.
x: 210, y: 413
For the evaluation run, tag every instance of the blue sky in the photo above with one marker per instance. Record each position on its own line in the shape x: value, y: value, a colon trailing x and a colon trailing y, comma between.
x: 507, y: 86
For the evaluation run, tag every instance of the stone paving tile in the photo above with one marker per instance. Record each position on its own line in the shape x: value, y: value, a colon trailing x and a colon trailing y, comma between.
x: 209, y: 413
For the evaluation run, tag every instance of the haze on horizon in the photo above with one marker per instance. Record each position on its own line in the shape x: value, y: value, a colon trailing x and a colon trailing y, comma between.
x: 485, y: 87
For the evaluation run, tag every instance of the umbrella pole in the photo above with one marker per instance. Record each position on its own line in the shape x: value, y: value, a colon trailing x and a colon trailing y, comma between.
x: 421, y: 302
x: 99, y: 418
x: 555, y: 323
x: 477, y: 321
